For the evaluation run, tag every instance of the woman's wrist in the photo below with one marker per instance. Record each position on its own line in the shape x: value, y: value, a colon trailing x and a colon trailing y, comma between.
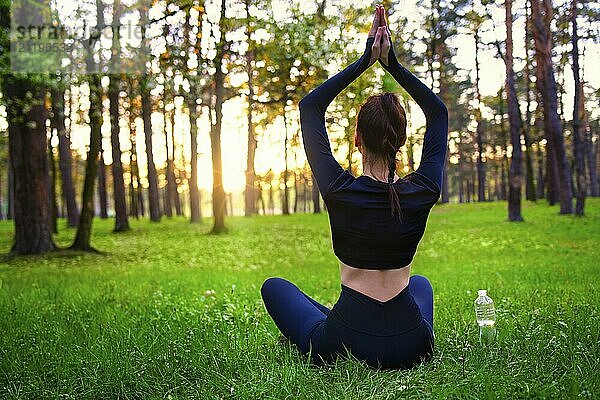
x: 391, y: 58
x: 369, y: 50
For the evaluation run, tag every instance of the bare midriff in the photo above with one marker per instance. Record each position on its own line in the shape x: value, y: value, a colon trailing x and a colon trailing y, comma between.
x: 379, y: 284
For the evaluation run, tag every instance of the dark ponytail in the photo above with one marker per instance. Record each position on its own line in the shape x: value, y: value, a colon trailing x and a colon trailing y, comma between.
x: 381, y: 124
x: 394, y: 198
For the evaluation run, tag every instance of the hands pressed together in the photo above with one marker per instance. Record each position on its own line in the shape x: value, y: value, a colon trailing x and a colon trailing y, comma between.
x: 381, y: 32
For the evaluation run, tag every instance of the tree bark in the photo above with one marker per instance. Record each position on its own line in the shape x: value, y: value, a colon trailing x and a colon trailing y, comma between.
x: 504, y: 161
x: 53, y: 201
x: 102, y: 186
x: 114, y: 89
x: 316, y: 196
x: 530, y: 192
x: 590, y: 154
x: 193, y: 182
x: 443, y: 58
x: 134, y: 183
x: 479, y: 132
x: 218, y: 195
x: 578, y: 141
x: 153, y: 195
x: 121, y: 219
x: 1, y: 198
x: 285, y: 207
x: 250, y: 190
x: 540, y: 172
x: 11, y: 191
x: 64, y: 156
x: 168, y: 200
x: 26, y: 117
x: 84, y: 228
x: 547, y: 84
x: 514, y: 115
x: 173, y: 189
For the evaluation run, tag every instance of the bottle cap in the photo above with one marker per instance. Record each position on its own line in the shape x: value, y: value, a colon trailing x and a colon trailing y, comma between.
x: 482, y: 292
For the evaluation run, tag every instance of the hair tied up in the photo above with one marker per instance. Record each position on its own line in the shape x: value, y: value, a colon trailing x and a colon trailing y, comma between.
x: 381, y: 124
x: 394, y: 198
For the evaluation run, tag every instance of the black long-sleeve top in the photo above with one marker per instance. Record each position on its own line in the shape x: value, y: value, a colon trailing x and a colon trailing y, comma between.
x: 363, y: 234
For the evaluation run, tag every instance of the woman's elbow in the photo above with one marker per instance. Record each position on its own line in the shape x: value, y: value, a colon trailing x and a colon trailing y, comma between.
x: 442, y: 110
x: 306, y: 102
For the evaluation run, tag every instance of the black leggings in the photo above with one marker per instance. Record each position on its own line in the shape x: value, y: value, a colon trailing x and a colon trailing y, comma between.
x: 394, y: 334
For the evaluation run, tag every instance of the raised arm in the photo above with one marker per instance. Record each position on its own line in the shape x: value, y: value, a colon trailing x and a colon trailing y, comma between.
x: 435, y: 143
x: 312, y: 120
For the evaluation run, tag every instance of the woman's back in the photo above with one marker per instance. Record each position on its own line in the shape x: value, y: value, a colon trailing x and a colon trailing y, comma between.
x: 364, y: 235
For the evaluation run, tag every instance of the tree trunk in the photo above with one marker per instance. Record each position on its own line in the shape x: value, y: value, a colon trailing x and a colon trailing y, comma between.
x: 134, y: 181
x: 64, y: 156
x: 1, y: 198
x: 285, y: 208
x: 540, y: 173
x: 167, y: 198
x: 261, y: 200
x: 316, y: 196
x: 173, y: 189
x: 218, y: 195
x: 121, y: 219
x: 514, y: 116
x: 102, y: 186
x: 271, y: 198
x: 193, y: 182
x: 11, y: 191
x: 304, y: 192
x: 461, y: 195
x: 26, y: 117
x: 547, y: 84
x: 411, y: 154
x: 504, y: 161
x: 578, y: 141
x: 590, y: 154
x: 296, y: 191
x: 250, y: 190
x: 530, y: 193
x: 84, y: 229
x: 153, y: 195
x: 480, y: 165
x: 53, y: 205
x: 443, y: 80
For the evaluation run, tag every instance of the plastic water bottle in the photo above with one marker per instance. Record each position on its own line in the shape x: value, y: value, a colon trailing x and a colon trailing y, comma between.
x: 486, y: 317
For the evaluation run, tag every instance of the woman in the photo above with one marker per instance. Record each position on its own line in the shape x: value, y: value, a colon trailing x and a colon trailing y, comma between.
x: 383, y: 316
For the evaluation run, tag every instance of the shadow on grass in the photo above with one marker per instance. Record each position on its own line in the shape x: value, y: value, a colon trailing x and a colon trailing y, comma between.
x: 59, y: 253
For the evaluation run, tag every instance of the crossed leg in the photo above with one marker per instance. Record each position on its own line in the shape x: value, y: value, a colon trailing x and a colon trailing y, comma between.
x: 422, y: 292
x: 295, y: 314
x: 298, y: 316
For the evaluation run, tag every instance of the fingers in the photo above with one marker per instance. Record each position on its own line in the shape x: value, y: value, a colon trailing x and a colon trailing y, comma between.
x: 378, y: 36
x: 385, y: 38
x: 376, y: 48
x: 376, y: 22
x: 382, y: 19
x: 385, y: 46
x: 383, y: 22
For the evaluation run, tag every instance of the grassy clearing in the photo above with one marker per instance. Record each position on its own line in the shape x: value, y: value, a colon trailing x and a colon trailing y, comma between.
x: 170, y: 312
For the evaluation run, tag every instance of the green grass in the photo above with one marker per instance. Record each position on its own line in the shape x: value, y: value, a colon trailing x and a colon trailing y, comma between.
x: 171, y: 312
